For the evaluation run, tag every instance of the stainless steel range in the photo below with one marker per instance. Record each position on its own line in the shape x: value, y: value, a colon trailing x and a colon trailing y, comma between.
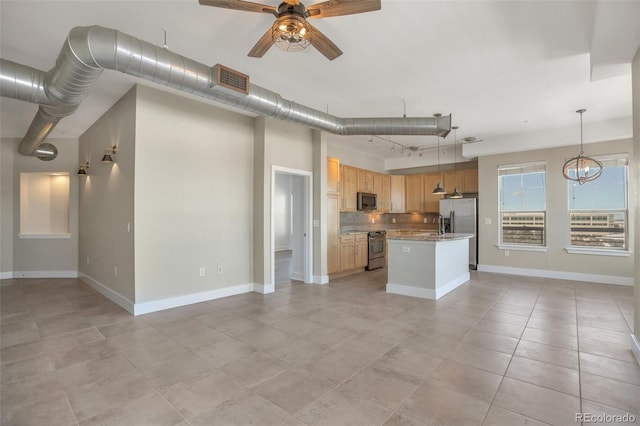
x: 377, y: 249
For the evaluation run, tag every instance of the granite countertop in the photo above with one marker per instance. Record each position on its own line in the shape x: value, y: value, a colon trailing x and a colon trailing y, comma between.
x: 354, y: 232
x: 427, y: 236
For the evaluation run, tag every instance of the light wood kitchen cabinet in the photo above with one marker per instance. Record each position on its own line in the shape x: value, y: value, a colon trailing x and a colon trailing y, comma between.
x: 365, y: 180
x: 333, y: 233
x: 397, y: 183
x: 347, y: 252
x: 431, y: 200
x: 386, y: 194
x: 349, y: 190
x: 377, y: 185
x: 414, y: 189
x: 470, y: 181
x: 333, y: 175
x: 452, y: 180
x: 362, y: 251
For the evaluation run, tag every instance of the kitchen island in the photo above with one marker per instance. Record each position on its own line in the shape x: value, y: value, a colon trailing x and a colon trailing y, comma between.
x: 427, y: 265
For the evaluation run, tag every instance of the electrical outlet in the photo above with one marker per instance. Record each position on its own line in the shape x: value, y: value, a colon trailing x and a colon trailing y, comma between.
x: 424, y: 220
x: 393, y: 220
x: 219, y: 269
x: 487, y: 221
x: 115, y: 271
x: 202, y: 272
x: 373, y: 220
x: 506, y: 253
x: 87, y: 260
x: 128, y: 227
x: 406, y: 249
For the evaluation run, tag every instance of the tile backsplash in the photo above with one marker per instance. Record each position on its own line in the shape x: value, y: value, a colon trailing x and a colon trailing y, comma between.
x: 362, y: 221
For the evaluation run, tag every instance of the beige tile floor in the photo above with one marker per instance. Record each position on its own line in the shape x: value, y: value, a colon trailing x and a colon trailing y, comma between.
x: 500, y: 350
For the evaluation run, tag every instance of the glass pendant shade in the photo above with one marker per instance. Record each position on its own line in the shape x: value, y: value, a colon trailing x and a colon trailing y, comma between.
x: 291, y: 33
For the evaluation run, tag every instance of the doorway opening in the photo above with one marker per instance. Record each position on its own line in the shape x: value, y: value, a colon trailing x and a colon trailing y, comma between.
x: 291, y: 227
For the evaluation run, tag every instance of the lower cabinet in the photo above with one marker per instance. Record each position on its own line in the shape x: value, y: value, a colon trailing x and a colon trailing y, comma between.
x: 354, y: 252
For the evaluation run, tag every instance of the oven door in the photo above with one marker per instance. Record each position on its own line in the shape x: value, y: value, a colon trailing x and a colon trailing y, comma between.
x: 376, y: 247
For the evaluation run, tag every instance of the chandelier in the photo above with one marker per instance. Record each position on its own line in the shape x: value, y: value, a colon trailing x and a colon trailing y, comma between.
x: 581, y: 169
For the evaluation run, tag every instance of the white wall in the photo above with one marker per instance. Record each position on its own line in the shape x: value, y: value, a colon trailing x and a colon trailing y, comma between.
x: 8, y: 149
x: 106, y: 255
x: 636, y: 167
x: 555, y: 258
x: 299, y: 215
x: 193, y: 197
x: 37, y: 257
x: 282, y: 212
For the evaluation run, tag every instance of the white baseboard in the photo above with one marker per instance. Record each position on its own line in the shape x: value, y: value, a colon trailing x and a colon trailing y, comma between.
x: 39, y: 274
x: 427, y: 293
x: 406, y: 290
x: 188, y: 299
x: 321, y: 279
x: 561, y: 275
x: 110, y: 294
x: 635, y: 347
x: 297, y: 276
x: 264, y: 288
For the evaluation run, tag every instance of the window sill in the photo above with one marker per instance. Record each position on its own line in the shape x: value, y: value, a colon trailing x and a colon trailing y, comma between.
x: 598, y: 252
x: 521, y: 248
x: 44, y: 236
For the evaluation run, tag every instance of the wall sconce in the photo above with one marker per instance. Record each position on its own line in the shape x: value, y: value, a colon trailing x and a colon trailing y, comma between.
x: 106, y: 158
x: 83, y: 169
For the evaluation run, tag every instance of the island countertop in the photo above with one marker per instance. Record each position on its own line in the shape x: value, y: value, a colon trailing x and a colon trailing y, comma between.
x: 427, y: 236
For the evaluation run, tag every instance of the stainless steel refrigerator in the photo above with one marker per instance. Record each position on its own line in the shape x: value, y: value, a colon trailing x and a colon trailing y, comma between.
x: 461, y: 216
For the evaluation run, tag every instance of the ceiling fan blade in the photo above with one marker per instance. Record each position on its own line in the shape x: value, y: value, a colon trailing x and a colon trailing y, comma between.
x: 245, y: 6
x: 261, y: 47
x: 330, y: 8
x: 323, y: 44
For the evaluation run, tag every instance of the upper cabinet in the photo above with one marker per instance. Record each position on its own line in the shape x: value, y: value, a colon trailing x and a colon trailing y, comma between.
x: 414, y: 185
x: 365, y: 180
x: 396, y: 193
x: 349, y: 189
x: 333, y: 175
x: 397, y: 196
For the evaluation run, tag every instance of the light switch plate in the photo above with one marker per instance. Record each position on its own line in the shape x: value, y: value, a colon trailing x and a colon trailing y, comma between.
x: 406, y: 249
x: 487, y: 221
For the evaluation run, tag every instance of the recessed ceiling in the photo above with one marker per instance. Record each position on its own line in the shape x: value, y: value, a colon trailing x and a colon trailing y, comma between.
x: 500, y: 68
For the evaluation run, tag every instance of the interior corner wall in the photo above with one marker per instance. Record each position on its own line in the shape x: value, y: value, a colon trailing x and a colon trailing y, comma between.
x: 355, y: 159
x: 106, y: 203
x: 636, y: 168
x: 8, y: 149
x: 46, y: 258
x: 282, y: 144
x: 193, y: 197
x: 555, y: 259
x: 320, y: 176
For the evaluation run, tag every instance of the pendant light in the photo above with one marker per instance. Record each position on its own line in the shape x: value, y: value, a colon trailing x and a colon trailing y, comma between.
x: 439, y: 189
x: 456, y: 193
x: 581, y: 169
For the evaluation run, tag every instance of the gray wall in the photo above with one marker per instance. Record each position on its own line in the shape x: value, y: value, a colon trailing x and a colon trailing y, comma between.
x: 107, y: 200
x: 556, y: 258
x: 36, y: 257
x: 193, y: 196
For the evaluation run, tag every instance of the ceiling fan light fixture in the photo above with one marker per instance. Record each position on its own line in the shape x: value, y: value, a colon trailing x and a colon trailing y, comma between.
x: 291, y: 33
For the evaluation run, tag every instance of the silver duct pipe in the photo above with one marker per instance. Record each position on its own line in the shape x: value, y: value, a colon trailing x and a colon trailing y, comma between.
x: 89, y: 50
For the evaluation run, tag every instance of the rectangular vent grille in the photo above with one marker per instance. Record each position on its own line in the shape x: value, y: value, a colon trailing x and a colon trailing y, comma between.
x: 231, y: 79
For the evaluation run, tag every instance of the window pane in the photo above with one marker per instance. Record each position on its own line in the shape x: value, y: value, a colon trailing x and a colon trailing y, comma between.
x: 610, y: 197
x: 581, y: 197
x: 523, y: 228
x: 534, y: 199
x: 598, y: 229
x: 533, y: 180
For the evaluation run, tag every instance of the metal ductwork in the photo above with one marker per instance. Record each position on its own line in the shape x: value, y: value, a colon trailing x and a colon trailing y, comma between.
x: 89, y: 50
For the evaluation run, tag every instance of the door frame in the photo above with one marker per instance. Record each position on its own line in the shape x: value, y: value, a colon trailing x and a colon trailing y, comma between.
x: 308, y: 221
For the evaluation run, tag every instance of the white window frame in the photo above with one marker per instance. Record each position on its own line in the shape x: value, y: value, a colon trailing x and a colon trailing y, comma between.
x: 601, y: 250
x: 522, y: 247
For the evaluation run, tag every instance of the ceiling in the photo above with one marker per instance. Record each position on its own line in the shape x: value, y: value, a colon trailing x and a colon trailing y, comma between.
x: 503, y: 69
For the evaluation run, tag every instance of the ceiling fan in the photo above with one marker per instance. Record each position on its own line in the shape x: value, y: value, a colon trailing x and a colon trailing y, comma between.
x: 291, y: 30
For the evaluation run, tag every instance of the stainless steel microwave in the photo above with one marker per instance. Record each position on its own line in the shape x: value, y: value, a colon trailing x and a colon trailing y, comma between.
x: 367, y: 201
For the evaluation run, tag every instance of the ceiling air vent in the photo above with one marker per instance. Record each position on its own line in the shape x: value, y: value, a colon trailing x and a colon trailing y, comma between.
x: 226, y: 78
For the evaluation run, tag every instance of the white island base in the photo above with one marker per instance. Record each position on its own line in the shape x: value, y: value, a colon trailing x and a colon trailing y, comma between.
x: 427, y: 268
